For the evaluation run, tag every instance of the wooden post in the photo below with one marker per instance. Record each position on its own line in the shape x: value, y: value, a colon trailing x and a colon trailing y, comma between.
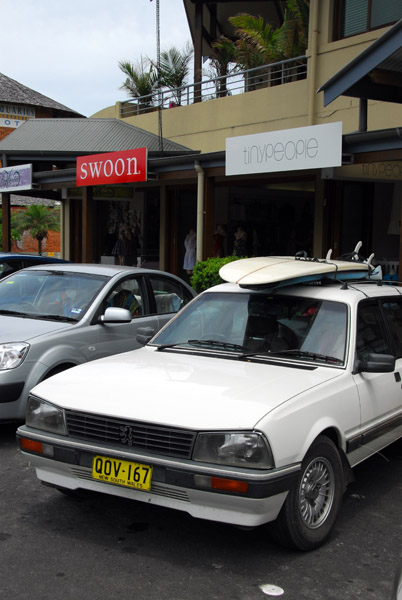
x: 209, y: 209
x: 87, y: 225
x: 6, y: 225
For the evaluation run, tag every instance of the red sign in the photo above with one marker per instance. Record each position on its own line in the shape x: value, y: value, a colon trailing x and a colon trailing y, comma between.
x: 112, y: 167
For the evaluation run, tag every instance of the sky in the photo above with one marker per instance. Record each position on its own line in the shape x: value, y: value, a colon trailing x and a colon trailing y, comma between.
x: 70, y: 50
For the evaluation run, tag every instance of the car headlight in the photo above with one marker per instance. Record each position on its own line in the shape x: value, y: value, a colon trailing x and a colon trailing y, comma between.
x: 42, y: 415
x: 12, y: 355
x: 237, y: 449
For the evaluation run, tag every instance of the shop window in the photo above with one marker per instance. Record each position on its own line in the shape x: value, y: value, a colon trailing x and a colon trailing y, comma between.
x: 358, y: 16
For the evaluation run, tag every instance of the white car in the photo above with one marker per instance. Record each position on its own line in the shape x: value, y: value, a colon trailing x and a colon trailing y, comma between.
x: 251, y: 406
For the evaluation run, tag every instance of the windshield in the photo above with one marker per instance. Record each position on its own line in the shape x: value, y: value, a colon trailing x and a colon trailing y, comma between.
x: 53, y: 295
x: 259, y: 323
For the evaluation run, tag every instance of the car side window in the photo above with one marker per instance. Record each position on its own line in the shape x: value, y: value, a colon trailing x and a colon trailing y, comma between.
x: 170, y: 296
x: 7, y: 268
x: 128, y: 294
x: 371, y: 334
x: 393, y: 312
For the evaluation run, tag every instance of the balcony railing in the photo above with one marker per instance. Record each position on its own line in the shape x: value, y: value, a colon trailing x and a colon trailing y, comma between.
x: 239, y: 82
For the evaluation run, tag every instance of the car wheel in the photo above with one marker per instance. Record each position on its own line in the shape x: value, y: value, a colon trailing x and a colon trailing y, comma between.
x: 312, y: 505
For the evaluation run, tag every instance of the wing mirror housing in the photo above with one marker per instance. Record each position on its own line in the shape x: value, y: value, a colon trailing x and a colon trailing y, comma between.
x: 144, y: 335
x: 376, y: 363
x: 113, y: 314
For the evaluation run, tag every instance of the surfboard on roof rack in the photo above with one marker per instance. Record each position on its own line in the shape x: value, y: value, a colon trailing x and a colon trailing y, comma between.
x: 279, y: 271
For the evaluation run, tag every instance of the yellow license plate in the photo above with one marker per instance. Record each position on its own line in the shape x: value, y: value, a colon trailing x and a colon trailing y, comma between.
x: 122, y: 472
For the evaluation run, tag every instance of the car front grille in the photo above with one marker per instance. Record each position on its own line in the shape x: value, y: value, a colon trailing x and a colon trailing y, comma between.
x: 143, y: 436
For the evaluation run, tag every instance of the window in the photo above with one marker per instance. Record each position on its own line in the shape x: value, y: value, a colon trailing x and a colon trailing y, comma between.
x: 264, y: 323
x: 358, y: 16
x: 128, y: 294
x: 393, y: 312
x: 169, y: 295
x: 371, y: 334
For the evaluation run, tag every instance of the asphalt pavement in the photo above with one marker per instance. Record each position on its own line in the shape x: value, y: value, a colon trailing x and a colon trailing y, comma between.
x: 98, y: 547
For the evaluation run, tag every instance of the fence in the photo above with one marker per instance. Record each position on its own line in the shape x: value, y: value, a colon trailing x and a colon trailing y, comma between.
x: 238, y: 82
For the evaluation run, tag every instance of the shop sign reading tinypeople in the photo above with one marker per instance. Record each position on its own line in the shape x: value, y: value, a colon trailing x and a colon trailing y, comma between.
x: 312, y: 147
x: 112, y: 167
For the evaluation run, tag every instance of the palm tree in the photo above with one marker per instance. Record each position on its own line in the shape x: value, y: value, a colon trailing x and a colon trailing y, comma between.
x: 141, y: 80
x: 38, y: 220
x: 174, y: 69
x: 293, y: 35
x: 222, y: 64
x: 259, y: 43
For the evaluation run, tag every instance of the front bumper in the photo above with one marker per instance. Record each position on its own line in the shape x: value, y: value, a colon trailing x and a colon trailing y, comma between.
x: 176, y: 483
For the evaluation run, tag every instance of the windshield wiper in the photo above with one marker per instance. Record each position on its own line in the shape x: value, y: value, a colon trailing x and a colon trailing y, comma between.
x: 218, y: 344
x: 14, y: 313
x: 295, y: 352
x: 62, y: 318
x: 205, y: 343
x: 173, y: 345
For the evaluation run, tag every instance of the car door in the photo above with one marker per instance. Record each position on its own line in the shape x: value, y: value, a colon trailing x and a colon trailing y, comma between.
x: 379, y: 326
x: 129, y: 293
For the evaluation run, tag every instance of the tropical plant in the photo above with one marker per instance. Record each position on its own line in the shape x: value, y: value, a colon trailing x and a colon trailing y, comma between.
x: 38, y: 220
x: 293, y: 34
x: 222, y: 63
x: 258, y: 43
x: 174, y: 69
x: 141, y: 80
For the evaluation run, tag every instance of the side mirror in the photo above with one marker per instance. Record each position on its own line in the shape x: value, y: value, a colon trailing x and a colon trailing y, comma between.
x: 113, y: 314
x: 376, y: 363
x: 144, y: 335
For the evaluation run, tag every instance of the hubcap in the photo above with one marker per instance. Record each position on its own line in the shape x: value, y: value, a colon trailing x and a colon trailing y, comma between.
x: 316, y: 492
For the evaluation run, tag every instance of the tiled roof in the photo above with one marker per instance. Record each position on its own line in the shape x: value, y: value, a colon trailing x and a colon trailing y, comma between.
x: 17, y: 200
x: 13, y: 92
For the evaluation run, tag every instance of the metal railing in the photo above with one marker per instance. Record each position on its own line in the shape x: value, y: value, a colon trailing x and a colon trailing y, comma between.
x: 238, y: 82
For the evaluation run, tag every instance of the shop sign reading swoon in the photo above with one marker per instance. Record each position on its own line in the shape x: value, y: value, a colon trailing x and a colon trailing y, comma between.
x: 112, y: 167
x: 311, y: 147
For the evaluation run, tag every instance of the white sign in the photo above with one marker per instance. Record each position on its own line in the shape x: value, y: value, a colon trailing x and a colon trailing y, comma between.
x: 14, y: 179
x: 12, y: 115
x: 13, y: 122
x: 313, y: 147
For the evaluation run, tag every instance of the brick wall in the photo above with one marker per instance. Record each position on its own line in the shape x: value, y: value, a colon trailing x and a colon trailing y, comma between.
x: 28, y: 245
x: 4, y: 131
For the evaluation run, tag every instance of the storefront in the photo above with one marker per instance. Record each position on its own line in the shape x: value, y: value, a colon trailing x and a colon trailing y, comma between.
x: 309, y: 202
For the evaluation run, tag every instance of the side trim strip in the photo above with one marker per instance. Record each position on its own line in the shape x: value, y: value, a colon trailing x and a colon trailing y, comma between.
x: 372, y: 433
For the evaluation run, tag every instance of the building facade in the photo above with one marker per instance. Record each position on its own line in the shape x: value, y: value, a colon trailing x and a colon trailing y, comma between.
x: 280, y: 211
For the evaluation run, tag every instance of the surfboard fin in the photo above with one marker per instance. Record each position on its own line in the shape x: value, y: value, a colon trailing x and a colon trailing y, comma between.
x: 357, y: 250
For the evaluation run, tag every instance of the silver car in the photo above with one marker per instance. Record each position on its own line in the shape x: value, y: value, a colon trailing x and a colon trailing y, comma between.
x: 53, y: 317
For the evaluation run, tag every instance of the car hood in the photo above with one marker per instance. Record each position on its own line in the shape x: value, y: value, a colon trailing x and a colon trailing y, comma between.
x: 20, y: 329
x: 181, y: 390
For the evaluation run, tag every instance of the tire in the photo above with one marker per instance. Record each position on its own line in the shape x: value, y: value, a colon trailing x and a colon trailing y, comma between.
x: 312, y: 505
